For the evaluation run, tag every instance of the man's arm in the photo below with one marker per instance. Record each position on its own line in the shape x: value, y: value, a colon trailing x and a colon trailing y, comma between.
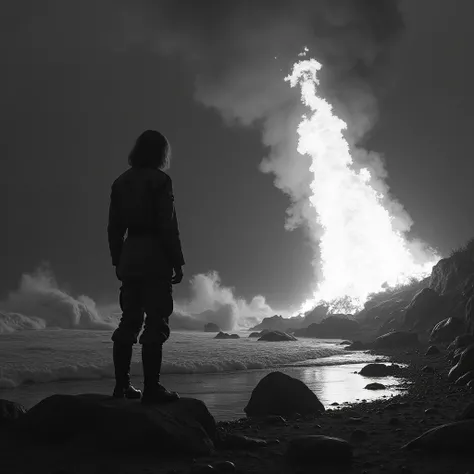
x: 168, y: 223
x: 115, y: 228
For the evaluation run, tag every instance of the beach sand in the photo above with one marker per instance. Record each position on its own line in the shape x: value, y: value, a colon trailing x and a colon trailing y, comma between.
x: 387, y: 430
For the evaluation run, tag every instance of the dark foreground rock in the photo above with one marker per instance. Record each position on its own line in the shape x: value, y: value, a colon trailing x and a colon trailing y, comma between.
x: 280, y: 394
x: 316, y: 448
x: 184, y: 426
x: 449, y: 438
x: 224, y: 335
x: 396, y: 339
x: 276, y: 336
x: 10, y: 412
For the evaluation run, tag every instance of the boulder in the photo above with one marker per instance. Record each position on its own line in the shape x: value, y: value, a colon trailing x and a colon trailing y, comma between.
x: 276, y: 336
x: 461, y: 341
x: 432, y: 350
x: 316, y: 448
x: 356, y: 346
x: 211, y: 327
x: 224, y: 335
x: 183, y: 426
x: 345, y: 343
x: 333, y: 327
x: 10, y: 412
x: 423, y: 310
x: 280, y: 394
x: 395, y: 339
x: 447, y: 330
x: 258, y: 333
x: 377, y: 370
x: 466, y: 378
x: 464, y: 364
x: 449, y: 438
x: 375, y: 386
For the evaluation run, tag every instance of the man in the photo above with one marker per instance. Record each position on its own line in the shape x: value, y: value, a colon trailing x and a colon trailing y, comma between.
x: 147, y: 262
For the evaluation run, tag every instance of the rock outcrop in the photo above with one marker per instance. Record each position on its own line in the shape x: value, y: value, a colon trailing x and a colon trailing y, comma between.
x: 10, y: 412
x: 447, y: 330
x: 224, y: 335
x: 395, y: 339
x: 211, y: 327
x: 276, y: 336
x: 378, y: 370
x: 279, y: 323
x: 258, y: 333
x: 333, y: 327
x: 184, y: 426
x: 424, y: 310
x: 280, y: 394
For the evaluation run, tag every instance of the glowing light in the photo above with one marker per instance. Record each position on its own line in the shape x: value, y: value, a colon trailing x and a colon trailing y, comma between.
x: 361, y: 251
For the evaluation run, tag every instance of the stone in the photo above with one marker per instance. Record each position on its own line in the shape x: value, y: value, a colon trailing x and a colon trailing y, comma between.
x: 376, y: 370
x: 319, y: 448
x: 240, y: 442
x: 464, y: 364
x: 345, y: 343
x: 375, y: 386
x: 258, y: 333
x: 396, y: 339
x: 356, y: 346
x: 432, y: 350
x: 466, y: 378
x: 450, y: 438
x: 183, y: 426
x: 211, y: 327
x: 427, y: 369
x: 276, y: 336
x: 10, y: 412
x: 280, y: 394
x: 224, y: 335
x: 447, y: 330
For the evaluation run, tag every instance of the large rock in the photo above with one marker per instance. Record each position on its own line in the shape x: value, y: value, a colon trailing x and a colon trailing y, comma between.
x: 211, y: 327
x: 10, y: 412
x: 280, y: 394
x: 424, y: 310
x: 258, y: 333
x: 378, y: 370
x: 449, y: 438
x: 464, y: 364
x: 183, y: 426
x: 461, y: 341
x: 224, y: 335
x: 333, y: 327
x: 317, y: 448
x: 276, y: 336
x: 356, y: 346
x: 447, y: 330
x: 279, y: 323
x: 395, y: 339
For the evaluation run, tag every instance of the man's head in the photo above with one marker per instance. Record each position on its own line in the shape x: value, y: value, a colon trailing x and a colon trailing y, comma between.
x: 151, y: 150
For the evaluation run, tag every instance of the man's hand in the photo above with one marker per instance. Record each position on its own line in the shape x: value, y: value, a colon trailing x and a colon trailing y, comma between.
x: 177, y: 275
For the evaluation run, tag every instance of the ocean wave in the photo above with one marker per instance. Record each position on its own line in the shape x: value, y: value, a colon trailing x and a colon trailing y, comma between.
x: 13, y: 377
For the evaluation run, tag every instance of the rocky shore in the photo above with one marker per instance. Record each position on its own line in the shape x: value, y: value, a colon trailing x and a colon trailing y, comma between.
x: 373, y: 435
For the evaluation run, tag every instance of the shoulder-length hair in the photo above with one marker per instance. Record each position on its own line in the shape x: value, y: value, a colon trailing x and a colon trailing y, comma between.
x: 151, y: 150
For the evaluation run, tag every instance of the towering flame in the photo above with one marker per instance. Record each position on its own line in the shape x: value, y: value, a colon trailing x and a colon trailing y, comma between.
x: 361, y: 249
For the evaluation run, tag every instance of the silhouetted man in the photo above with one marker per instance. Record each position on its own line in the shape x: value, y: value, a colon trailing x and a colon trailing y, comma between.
x: 147, y: 262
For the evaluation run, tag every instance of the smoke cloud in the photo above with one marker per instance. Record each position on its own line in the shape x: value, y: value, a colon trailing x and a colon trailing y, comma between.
x: 241, y: 51
x: 40, y: 303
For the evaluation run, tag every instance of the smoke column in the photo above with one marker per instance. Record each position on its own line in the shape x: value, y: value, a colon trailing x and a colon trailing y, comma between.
x: 241, y: 51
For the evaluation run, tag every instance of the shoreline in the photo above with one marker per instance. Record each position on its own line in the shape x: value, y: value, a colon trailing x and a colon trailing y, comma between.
x: 388, y: 423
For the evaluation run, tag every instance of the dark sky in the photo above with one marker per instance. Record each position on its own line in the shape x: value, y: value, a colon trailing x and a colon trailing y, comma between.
x: 72, y: 105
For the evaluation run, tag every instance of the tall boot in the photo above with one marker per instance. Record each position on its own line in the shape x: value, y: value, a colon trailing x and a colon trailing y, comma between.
x: 154, y: 392
x: 122, y: 354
